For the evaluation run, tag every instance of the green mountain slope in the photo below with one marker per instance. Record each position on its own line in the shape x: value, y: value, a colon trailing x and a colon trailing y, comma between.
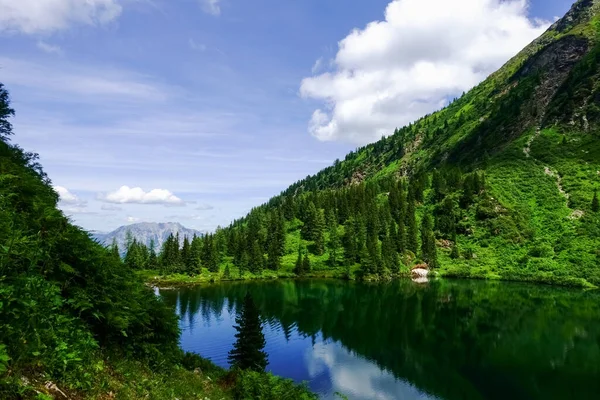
x: 531, y: 132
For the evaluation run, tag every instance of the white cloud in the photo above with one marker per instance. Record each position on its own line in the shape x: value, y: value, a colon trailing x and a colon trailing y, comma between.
x: 350, y: 373
x: 69, y: 199
x: 132, y: 219
x: 136, y: 195
x: 394, y: 71
x: 48, y: 48
x: 46, y: 16
x: 317, y: 66
x: 205, y: 207
x: 211, y: 6
x: 85, y: 82
x: 196, y: 46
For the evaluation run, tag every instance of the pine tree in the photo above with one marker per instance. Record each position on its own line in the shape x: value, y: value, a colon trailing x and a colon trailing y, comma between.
x: 595, y: 202
x: 195, y: 254
x: 273, y: 257
x: 349, y: 243
x: 152, y: 258
x: 114, y: 250
x: 186, y: 256
x: 411, y: 226
x: 247, y: 352
x: 314, y: 227
x: 298, y: 270
x: 257, y: 258
x: 227, y: 273
x: 306, y: 268
x: 318, y: 233
x: 428, y: 247
x: 334, y: 240
x: 455, y: 250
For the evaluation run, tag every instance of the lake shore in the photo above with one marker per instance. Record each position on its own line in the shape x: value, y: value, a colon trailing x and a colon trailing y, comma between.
x: 171, y: 281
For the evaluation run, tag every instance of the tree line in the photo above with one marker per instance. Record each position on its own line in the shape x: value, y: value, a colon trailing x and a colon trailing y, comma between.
x: 378, y: 225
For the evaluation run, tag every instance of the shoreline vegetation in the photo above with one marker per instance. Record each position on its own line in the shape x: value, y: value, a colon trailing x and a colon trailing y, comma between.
x: 154, y: 278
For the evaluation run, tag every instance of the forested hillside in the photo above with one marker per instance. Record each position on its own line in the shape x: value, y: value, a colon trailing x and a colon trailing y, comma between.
x: 500, y: 184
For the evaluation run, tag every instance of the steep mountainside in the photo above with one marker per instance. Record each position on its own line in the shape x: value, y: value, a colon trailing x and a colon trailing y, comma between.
x: 146, y: 232
x: 530, y: 131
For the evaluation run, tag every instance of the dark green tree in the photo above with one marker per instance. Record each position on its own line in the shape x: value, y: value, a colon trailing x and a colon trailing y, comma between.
x: 306, y: 268
x: 298, y: 267
x: 114, y: 250
x: 186, y: 256
x: 411, y: 226
x: 247, y: 352
x: 428, y: 247
x: 455, y: 250
x: 152, y: 258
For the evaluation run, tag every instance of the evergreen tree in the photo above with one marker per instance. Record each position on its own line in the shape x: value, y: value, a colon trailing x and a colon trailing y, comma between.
x: 186, y: 257
x: 334, y: 243
x: 314, y: 227
x: 595, y: 202
x: 306, y: 268
x: 227, y: 273
x: 298, y: 268
x: 455, y: 250
x: 114, y: 250
x: 411, y: 226
x: 349, y: 243
x: 152, y: 258
x: 428, y: 247
x: 195, y: 255
x: 247, y: 352
x: 273, y: 256
x: 257, y: 258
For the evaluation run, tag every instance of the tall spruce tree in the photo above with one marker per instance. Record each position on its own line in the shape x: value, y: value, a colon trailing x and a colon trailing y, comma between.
x: 455, y: 250
x: 298, y: 270
x: 152, y: 258
x: 186, y: 257
x: 306, y: 268
x: 411, y: 226
x: 114, y: 250
x: 428, y: 247
x: 247, y: 352
x: 595, y: 202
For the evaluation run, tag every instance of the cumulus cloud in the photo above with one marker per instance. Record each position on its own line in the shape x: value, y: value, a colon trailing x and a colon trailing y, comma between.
x: 136, y: 195
x: 47, y: 16
x: 394, y: 71
x: 49, y: 48
x: 211, y: 6
x: 68, y: 198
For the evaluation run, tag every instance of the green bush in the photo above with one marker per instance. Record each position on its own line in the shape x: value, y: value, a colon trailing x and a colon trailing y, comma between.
x: 250, y: 385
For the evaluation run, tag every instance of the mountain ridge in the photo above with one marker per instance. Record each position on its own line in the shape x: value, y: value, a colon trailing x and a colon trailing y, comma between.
x: 146, y: 233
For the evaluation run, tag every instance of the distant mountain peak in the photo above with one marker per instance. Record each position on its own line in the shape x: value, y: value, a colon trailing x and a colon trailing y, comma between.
x: 146, y: 232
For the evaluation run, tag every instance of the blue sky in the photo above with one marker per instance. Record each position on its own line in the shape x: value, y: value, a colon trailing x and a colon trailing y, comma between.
x: 197, y: 110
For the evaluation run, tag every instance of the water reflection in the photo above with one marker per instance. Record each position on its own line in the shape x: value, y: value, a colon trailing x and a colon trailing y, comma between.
x: 447, y: 340
x: 356, y: 377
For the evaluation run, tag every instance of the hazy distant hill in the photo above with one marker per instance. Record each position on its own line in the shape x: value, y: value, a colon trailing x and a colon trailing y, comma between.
x: 145, y: 232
